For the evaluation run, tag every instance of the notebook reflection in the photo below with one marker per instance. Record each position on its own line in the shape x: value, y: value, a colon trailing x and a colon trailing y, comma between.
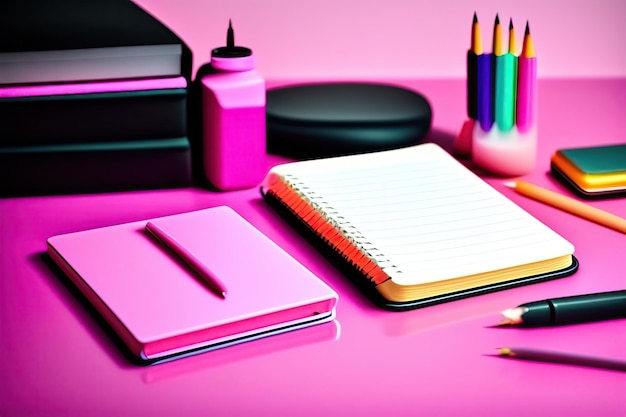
x: 207, y: 360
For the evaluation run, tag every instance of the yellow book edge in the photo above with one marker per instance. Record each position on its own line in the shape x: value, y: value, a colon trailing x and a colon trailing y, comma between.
x: 589, y: 182
x: 394, y: 292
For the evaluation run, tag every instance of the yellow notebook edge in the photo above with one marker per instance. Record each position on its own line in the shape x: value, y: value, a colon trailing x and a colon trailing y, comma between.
x: 589, y: 182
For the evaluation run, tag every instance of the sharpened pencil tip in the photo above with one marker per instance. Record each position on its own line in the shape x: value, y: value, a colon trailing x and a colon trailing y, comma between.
x: 505, y: 323
x: 527, y: 31
x: 505, y: 351
x: 497, y: 19
x: 511, y: 24
x: 513, y: 316
x: 475, y: 18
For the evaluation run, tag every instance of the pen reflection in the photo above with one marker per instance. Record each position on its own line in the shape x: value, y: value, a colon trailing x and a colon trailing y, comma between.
x: 249, y: 350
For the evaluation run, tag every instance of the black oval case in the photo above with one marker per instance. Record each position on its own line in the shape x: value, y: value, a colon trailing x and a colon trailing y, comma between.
x: 319, y: 120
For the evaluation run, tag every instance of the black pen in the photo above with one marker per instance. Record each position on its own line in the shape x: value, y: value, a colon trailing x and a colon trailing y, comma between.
x: 568, y: 310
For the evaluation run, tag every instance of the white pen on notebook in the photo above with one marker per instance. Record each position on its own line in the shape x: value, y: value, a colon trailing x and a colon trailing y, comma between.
x: 198, y: 266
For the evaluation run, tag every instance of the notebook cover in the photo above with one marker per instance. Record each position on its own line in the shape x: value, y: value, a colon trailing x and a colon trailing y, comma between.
x: 592, y: 172
x: 72, y: 40
x: 160, y: 308
x: 369, y: 289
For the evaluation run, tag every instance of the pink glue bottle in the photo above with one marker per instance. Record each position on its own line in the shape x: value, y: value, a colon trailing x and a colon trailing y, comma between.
x: 233, y: 113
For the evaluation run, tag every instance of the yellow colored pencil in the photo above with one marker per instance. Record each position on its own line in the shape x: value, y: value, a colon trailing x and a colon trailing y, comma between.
x: 569, y: 205
x: 477, y: 41
x: 511, y: 38
x: 498, y: 48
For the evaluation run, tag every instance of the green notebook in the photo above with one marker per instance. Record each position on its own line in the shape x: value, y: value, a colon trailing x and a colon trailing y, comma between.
x: 594, y: 171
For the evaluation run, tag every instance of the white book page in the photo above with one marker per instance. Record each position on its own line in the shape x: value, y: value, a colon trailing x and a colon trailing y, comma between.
x: 422, y: 216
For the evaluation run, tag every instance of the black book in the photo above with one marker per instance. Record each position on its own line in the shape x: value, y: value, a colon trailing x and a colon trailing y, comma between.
x: 88, y: 118
x: 95, y: 167
x: 47, y: 41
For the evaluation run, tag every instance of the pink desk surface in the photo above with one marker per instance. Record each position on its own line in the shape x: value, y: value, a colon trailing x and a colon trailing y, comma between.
x: 57, y: 359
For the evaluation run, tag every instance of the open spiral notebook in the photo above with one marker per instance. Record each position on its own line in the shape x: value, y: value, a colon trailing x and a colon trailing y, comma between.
x: 417, y: 226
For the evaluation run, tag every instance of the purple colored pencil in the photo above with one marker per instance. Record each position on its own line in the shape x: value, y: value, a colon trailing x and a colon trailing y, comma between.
x: 484, y: 91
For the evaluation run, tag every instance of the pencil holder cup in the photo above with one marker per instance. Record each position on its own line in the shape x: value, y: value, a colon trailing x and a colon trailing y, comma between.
x: 507, y: 154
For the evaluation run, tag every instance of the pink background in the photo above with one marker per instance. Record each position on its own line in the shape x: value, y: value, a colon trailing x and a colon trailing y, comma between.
x: 58, y: 359
x: 399, y: 38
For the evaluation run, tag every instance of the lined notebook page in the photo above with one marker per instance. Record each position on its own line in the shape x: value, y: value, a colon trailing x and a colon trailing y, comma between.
x: 421, y: 215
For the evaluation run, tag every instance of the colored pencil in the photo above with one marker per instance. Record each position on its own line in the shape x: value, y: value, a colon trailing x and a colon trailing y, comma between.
x: 526, y: 84
x: 567, y: 204
x: 505, y: 81
x: 476, y: 49
x: 485, y: 89
x: 563, y: 358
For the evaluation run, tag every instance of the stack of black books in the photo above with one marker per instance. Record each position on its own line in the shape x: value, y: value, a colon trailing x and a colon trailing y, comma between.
x: 93, y: 97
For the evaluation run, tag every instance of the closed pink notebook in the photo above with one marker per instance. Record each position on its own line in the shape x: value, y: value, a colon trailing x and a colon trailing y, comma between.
x: 163, y: 310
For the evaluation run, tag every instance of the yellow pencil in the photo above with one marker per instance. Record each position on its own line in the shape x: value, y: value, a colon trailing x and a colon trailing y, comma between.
x: 511, y: 38
x: 528, y: 47
x: 567, y: 204
x: 498, y: 48
x: 477, y: 41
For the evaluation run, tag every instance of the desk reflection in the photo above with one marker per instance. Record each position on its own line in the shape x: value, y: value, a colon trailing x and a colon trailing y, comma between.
x: 324, y: 332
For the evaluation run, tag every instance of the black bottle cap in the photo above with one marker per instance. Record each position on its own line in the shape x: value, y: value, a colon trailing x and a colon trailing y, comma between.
x: 230, y: 50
